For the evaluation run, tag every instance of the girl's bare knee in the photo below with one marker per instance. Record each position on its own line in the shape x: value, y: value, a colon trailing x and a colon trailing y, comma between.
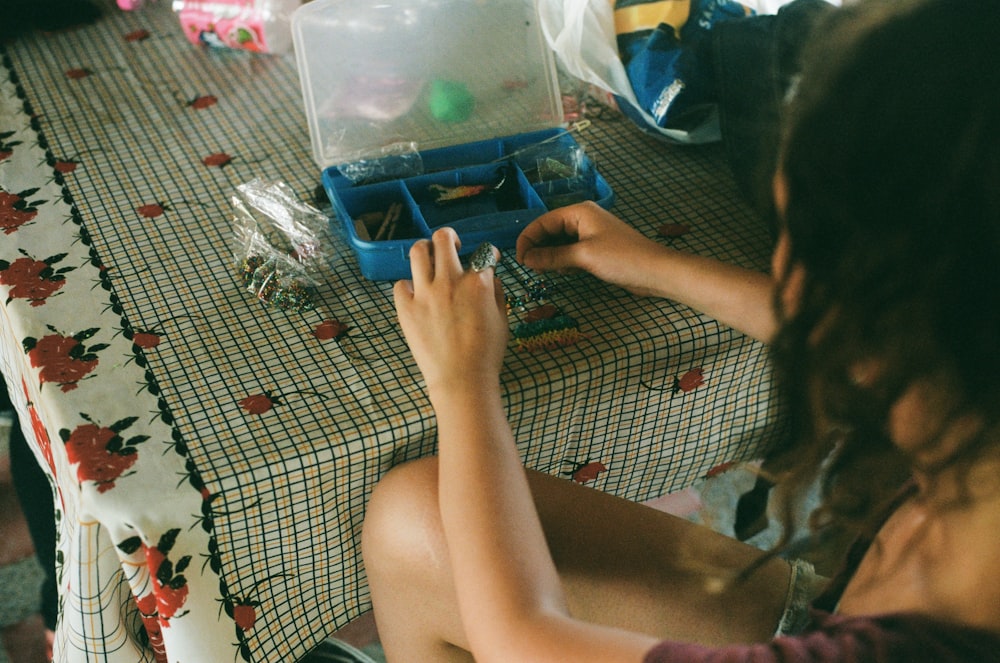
x: 402, y: 519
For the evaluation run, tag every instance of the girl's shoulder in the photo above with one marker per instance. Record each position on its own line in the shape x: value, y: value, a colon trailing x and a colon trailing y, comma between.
x: 939, y: 563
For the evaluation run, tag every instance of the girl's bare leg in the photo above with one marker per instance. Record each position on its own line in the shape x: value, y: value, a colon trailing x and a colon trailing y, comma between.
x: 622, y: 564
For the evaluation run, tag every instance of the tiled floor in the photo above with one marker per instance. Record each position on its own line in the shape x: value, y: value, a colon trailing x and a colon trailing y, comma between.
x: 20, y: 574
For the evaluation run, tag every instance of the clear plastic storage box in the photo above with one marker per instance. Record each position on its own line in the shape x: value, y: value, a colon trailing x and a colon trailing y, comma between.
x: 425, y: 113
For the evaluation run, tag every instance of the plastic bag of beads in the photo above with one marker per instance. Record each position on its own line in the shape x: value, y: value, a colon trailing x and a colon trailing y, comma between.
x: 282, y: 245
x: 560, y: 172
x: 395, y: 161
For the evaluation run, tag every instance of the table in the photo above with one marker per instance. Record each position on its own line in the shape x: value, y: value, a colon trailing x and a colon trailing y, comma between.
x: 211, y: 456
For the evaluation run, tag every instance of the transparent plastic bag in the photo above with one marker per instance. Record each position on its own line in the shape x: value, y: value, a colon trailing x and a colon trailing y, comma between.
x: 560, y: 172
x: 281, y: 245
x: 395, y: 161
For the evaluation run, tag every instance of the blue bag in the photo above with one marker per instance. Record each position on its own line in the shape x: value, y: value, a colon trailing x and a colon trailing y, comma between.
x: 657, y: 42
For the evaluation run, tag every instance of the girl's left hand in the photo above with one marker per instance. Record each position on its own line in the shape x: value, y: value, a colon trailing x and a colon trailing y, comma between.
x: 454, y: 320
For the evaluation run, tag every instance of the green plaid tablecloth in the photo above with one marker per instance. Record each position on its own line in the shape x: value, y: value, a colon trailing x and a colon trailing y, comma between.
x: 211, y: 456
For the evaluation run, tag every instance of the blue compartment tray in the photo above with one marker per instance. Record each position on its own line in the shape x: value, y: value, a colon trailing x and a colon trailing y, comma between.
x: 486, y: 190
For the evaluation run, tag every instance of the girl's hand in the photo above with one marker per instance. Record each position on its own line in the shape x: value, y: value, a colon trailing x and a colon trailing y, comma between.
x: 588, y: 237
x: 454, y: 320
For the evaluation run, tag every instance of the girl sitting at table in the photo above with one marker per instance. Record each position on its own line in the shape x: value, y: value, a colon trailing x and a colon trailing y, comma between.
x: 882, y: 312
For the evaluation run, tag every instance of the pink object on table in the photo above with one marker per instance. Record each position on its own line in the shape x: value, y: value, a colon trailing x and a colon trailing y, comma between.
x: 254, y: 25
x: 129, y: 5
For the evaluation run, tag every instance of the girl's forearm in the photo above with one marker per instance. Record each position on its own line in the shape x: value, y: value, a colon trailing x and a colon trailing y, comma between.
x: 737, y: 297
x: 497, y: 548
x: 509, y: 593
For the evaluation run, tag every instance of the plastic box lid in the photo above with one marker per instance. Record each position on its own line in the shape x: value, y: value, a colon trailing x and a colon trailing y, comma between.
x: 425, y: 73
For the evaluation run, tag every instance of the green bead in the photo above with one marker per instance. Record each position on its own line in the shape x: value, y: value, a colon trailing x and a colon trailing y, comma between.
x: 450, y: 101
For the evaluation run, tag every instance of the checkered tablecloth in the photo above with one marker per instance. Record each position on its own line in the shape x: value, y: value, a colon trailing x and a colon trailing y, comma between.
x: 212, y: 456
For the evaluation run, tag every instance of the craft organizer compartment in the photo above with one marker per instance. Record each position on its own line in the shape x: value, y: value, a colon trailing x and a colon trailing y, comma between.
x: 498, y: 189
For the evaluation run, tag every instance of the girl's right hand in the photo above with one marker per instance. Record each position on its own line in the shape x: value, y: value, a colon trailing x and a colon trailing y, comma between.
x: 587, y: 237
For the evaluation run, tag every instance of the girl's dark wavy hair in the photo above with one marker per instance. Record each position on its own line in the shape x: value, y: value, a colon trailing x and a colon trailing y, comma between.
x: 891, y: 155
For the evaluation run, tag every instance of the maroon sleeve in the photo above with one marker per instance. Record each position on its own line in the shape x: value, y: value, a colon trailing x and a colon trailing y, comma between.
x: 888, y: 639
